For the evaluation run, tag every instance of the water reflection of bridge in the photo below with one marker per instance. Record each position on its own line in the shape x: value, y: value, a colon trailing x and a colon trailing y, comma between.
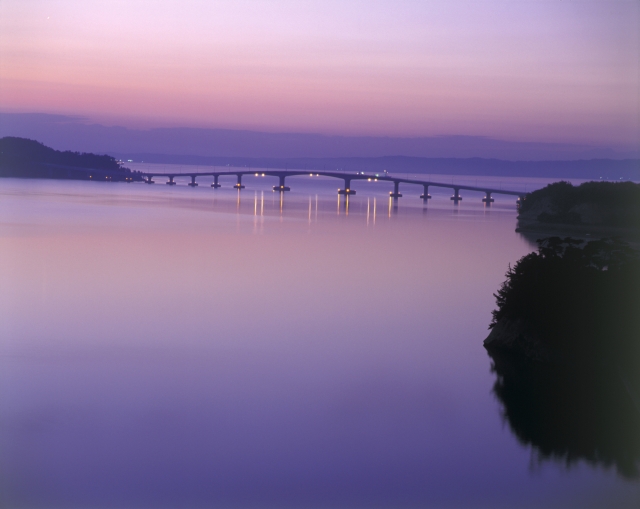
x: 346, y: 177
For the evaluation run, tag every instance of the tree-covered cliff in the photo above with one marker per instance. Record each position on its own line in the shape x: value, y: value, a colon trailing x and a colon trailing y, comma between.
x: 565, y: 346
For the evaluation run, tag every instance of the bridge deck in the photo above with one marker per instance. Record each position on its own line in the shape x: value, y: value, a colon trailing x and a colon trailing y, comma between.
x: 347, y: 177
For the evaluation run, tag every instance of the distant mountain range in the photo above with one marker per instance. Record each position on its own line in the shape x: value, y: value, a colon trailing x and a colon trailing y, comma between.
x: 465, y: 155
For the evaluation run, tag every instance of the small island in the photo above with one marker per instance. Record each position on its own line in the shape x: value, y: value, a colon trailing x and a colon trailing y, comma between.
x: 592, y: 208
x: 24, y: 158
x: 565, y: 347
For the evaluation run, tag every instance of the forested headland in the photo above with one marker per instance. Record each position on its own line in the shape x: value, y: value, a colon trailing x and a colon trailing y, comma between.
x: 595, y: 206
x: 23, y: 158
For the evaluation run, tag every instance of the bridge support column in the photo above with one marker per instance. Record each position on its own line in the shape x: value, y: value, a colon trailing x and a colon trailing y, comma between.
x: 456, y: 195
x: 281, y: 187
x: 150, y: 180
x: 396, y: 190
x: 347, y: 188
x: 239, y: 184
x: 425, y: 196
x: 215, y: 184
x: 193, y: 182
x: 487, y: 199
x: 171, y: 182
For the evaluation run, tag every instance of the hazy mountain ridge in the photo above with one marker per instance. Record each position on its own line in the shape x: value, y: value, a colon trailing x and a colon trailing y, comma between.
x: 461, y: 155
x: 74, y: 133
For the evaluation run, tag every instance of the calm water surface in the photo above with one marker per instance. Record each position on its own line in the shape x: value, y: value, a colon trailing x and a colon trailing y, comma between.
x: 174, y: 347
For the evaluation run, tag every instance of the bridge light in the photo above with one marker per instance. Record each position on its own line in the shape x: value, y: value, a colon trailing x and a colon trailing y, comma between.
x: 263, y: 174
x: 311, y: 174
x: 256, y: 174
x: 368, y: 180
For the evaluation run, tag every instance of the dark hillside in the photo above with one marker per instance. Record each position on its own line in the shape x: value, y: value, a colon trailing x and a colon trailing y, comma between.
x: 23, y: 158
x: 607, y: 204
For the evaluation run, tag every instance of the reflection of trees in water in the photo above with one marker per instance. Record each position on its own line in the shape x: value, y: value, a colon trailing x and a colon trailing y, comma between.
x: 571, y: 412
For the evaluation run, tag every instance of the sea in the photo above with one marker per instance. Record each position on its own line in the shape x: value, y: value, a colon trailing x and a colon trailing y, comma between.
x: 177, y: 347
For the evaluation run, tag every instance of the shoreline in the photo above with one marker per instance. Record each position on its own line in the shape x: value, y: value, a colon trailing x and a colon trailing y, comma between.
x: 533, y: 231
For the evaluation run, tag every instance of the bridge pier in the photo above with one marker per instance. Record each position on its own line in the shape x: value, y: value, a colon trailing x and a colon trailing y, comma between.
x: 171, y: 182
x: 239, y: 184
x: 281, y: 187
x: 193, y: 182
x: 215, y: 184
x: 520, y: 200
x: 487, y: 199
x: 150, y: 180
x: 396, y: 190
x: 456, y: 195
x: 425, y: 196
x: 347, y: 188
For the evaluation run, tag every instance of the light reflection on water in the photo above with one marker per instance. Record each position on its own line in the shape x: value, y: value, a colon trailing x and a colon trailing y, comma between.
x: 169, y: 346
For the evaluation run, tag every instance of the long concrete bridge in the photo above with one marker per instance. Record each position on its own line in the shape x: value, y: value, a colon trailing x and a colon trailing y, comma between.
x: 348, y: 178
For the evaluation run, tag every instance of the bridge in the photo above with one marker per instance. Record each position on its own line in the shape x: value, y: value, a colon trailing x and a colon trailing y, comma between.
x: 347, y: 178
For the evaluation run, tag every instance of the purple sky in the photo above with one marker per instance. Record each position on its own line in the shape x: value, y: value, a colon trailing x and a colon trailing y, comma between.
x: 553, y: 71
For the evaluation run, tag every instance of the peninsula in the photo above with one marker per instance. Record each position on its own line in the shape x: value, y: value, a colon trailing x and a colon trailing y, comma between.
x: 24, y: 158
